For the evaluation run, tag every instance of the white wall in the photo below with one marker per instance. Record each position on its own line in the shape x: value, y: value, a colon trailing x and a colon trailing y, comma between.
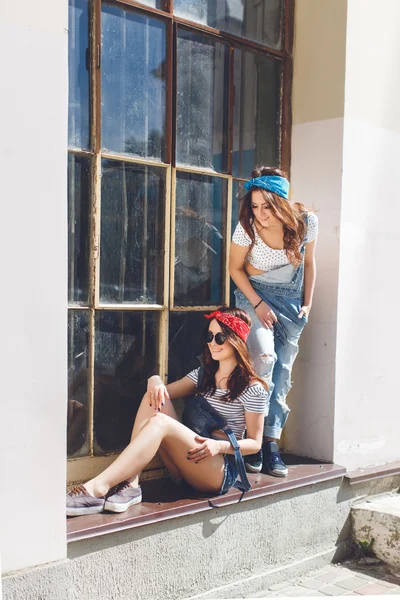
x: 317, y: 146
x: 346, y: 154
x: 367, y: 394
x: 316, y: 181
x: 33, y: 251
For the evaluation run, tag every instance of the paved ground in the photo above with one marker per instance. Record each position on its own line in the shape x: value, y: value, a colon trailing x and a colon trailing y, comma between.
x: 363, y: 578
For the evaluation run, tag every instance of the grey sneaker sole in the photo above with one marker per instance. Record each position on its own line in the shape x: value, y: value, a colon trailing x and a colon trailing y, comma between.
x: 119, y: 507
x: 86, y: 510
x: 282, y: 473
x: 253, y: 468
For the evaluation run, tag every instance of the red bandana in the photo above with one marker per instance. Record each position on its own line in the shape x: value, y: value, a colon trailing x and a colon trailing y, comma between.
x: 237, y: 325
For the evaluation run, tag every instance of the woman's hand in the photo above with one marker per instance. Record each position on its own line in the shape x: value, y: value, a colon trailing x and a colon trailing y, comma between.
x: 266, y: 315
x: 156, y: 392
x: 207, y: 449
x: 304, y: 311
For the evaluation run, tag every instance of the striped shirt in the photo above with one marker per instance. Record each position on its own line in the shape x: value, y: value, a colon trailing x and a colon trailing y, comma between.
x: 252, y: 399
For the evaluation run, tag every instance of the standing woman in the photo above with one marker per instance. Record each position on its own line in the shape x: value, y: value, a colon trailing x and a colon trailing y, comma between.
x: 230, y: 386
x: 272, y: 262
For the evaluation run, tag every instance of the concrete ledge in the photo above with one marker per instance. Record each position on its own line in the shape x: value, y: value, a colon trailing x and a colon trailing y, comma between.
x: 233, y: 550
x: 163, y: 500
x: 371, y: 473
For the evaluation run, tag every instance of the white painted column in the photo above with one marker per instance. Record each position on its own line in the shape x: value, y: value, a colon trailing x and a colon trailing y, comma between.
x: 33, y: 250
x: 367, y: 407
x: 346, y: 153
x: 317, y: 146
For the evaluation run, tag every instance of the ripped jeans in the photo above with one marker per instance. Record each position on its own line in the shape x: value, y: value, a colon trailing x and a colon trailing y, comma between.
x: 274, y: 350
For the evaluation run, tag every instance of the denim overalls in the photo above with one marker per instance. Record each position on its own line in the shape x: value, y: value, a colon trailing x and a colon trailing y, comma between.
x: 273, y: 350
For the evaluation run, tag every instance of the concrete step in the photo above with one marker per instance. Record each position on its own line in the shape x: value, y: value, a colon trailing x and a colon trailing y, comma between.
x: 378, y: 519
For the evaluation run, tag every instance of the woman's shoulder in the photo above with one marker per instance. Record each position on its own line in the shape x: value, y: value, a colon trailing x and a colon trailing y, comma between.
x: 255, y: 389
x: 254, y: 397
x: 312, y: 226
x: 240, y: 236
x: 194, y: 375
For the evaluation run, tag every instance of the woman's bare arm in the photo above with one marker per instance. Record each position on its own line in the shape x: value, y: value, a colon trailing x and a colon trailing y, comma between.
x: 236, y: 269
x: 157, y: 390
x: 237, y: 260
x: 310, y: 272
x: 253, y: 441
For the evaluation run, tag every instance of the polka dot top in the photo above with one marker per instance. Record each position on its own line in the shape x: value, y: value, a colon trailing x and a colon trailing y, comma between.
x: 264, y: 258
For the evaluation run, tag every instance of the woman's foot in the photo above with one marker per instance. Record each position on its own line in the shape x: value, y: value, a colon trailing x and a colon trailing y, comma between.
x: 254, y: 462
x: 272, y: 462
x: 80, y: 502
x: 122, y: 496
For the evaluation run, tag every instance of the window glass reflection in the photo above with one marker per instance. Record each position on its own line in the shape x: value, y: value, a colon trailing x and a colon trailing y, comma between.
x: 132, y: 233
x: 256, y: 112
x: 153, y: 3
x: 199, y: 239
x: 78, y: 334
x: 78, y: 229
x: 185, y: 346
x: 125, y: 357
x: 202, y: 102
x: 257, y: 20
x: 78, y: 74
x: 133, y: 76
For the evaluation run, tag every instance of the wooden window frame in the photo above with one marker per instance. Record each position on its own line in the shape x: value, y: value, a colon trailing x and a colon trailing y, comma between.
x: 80, y: 468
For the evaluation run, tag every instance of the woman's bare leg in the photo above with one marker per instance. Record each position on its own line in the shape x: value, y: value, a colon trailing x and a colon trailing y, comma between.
x: 159, y: 430
x: 144, y: 413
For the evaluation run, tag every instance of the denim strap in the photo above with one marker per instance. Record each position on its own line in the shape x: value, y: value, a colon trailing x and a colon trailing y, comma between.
x: 244, y: 484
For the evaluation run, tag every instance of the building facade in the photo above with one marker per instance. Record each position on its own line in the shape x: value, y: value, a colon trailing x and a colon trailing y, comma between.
x: 159, y: 115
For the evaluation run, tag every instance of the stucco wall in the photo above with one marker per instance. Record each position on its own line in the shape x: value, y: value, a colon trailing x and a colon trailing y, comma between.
x: 316, y: 177
x: 231, y: 552
x: 346, y: 136
x: 33, y: 125
x: 367, y: 408
x: 184, y: 557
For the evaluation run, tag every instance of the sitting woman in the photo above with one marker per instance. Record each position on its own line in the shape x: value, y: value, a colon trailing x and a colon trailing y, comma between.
x: 230, y: 385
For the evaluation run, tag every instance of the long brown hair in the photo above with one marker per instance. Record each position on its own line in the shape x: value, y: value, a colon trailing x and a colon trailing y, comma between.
x: 244, y: 371
x: 290, y: 215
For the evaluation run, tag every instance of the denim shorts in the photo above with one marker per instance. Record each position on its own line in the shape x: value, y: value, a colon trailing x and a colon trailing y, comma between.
x: 231, y: 473
x: 230, y: 477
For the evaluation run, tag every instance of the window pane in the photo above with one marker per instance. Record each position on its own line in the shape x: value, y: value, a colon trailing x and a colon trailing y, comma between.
x: 125, y: 357
x: 185, y: 347
x: 256, y: 112
x: 257, y: 20
x: 185, y: 343
x: 202, y: 102
x: 133, y: 75
x: 78, y: 229
x: 78, y: 99
x: 132, y: 233
x: 153, y: 3
x: 199, y: 239
x: 78, y: 334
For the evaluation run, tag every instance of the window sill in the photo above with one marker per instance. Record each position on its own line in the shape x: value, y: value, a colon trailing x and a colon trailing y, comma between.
x: 371, y: 473
x: 163, y: 499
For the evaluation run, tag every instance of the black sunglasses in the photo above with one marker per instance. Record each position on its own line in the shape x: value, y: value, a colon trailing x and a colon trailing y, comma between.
x: 220, y: 338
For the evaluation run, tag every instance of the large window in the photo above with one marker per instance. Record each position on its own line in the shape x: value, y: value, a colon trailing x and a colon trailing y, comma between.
x: 170, y: 106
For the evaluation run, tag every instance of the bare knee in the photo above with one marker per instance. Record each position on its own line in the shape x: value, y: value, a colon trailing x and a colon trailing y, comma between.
x: 160, y: 420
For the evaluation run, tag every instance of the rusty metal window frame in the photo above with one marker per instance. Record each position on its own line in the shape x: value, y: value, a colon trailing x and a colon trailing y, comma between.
x: 82, y: 467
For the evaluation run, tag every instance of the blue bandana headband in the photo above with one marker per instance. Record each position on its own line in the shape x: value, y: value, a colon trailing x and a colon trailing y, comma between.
x: 271, y: 183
